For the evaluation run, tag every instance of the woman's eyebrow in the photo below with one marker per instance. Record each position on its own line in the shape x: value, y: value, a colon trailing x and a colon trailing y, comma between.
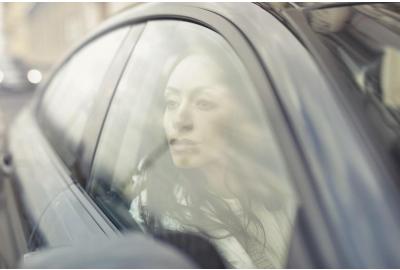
x: 204, y: 90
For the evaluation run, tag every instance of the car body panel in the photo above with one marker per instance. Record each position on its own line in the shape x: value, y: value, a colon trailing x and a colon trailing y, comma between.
x: 56, y: 227
x: 34, y: 165
x: 53, y: 201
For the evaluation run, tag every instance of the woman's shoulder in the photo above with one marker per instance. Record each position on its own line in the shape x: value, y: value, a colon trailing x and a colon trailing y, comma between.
x: 136, y: 205
x: 139, y: 204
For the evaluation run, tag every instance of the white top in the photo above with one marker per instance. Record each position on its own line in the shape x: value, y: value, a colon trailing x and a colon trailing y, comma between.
x: 277, y: 225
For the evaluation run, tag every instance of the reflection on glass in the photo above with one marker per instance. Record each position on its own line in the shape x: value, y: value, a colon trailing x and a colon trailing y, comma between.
x: 187, y: 147
x: 361, y: 36
x: 212, y: 179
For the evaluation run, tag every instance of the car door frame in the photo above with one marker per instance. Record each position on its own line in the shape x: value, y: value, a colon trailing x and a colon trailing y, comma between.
x: 229, y: 30
x: 218, y: 23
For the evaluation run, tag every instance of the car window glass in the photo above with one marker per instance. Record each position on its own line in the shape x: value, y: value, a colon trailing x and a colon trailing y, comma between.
x: 187, y: 147
x: 66, y: 104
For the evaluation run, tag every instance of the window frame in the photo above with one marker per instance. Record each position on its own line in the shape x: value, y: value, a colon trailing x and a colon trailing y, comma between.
x: 251, y: 60
x: 216, y: 21
x: 248, y: 56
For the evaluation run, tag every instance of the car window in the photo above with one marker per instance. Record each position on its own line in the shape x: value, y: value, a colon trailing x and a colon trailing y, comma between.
x: 187, y: 147
x: 67, y: 102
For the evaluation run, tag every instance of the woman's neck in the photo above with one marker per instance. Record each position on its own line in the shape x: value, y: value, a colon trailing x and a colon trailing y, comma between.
x: 218, y: 178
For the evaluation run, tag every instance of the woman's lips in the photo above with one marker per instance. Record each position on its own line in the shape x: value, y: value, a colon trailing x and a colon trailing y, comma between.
x: 183, y: 145
x: 182, y: 142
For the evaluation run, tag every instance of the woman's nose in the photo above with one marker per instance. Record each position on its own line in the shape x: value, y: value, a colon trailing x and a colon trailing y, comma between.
x: 183, y: 119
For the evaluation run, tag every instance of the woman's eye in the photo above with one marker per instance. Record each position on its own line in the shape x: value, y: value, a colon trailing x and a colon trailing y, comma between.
x: 205, y: 105
x: 171, y: 104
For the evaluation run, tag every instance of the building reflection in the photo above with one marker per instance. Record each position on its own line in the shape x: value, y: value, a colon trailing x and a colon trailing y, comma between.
x: 39, y: 34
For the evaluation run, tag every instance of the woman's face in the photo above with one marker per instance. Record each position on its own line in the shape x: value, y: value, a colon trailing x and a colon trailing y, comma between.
x: 199, y: 107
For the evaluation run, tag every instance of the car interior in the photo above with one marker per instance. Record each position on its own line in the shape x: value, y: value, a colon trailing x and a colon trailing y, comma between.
x: 367, y: 43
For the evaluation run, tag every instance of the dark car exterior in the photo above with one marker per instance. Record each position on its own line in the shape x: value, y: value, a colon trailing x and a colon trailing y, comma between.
x: 337, y: 141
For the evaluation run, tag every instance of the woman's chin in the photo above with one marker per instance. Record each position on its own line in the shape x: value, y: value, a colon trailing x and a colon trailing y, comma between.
x: 186, y: 162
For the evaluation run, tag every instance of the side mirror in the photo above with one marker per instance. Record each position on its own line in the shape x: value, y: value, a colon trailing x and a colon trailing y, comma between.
x: 134, y: 250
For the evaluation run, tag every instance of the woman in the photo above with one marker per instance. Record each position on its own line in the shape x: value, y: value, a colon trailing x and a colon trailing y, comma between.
x: 213, y: 179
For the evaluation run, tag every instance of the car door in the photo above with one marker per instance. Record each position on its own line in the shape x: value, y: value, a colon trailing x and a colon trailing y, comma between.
x: 133, y: 134
x: 333, y: 173
x: 49, y: 140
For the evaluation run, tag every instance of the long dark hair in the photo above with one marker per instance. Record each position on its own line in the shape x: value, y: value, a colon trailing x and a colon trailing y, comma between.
x: 203, y: 210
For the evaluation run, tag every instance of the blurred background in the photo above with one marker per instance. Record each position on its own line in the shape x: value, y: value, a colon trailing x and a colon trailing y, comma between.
x: 34, y: 37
